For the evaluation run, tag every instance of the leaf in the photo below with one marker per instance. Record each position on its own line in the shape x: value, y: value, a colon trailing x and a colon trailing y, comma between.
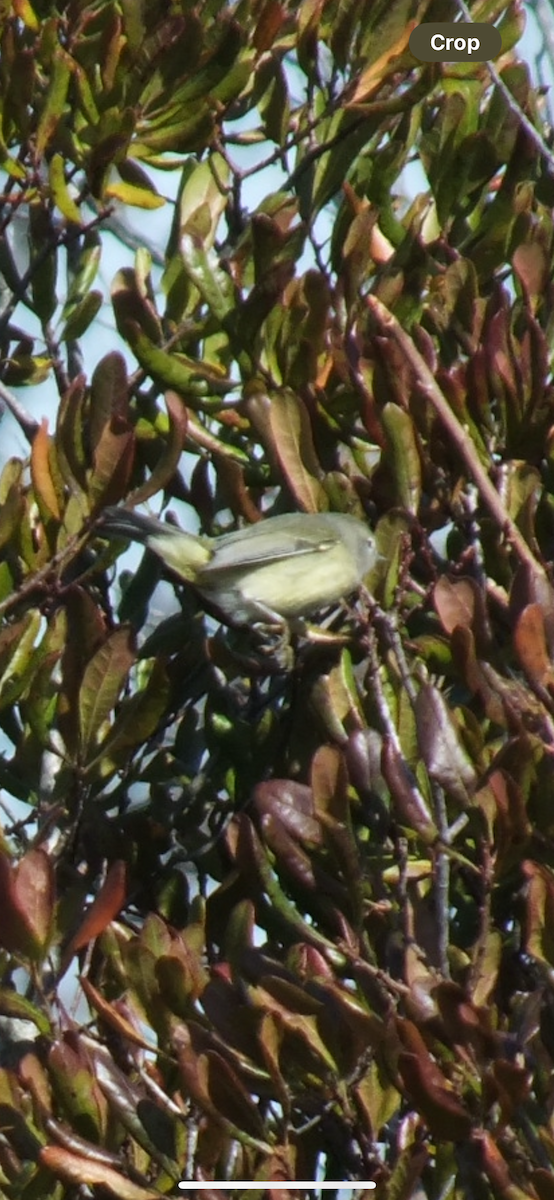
x: 297, y: 1012
x: 371, y: 79
x: 103, y: 679
x: 408, y: 802
x: 442, y: 750
x: 41, y: 471
x: 137, y: 197
x: 128, y: 1102
x: 531, y: 646
x: 230, y: 1097
x: 19, y: 1008
x: 112, y: 1016
x: 217, y: 1089
x: 329, y: 783
x: 114, y: 456
x: 496, y: 1169
x: 109, y: 394
x: 137, y: 719
x: 487, y: 961
x: 465, y: 1023
x: 457, y: 603
x: 202, y: 199
x: 402, y: 456
x: 60, y: 74
x: 539, y: 906
x: 202, y: 268
x: 106, y: 905
x: 446, y: 1117
x: 27, y: 899
x: 82, y: 315
x: 61, y: 194
x: 25, y: 11
x: 19, y: 657
x: 274, y: 104
x: 173, y: 372
x: 271, y: 1036
x: 85, y: 271
x: 378, y: 1098
x: 294, y: 447
x: 77, y: 1169
x: 531, y: 267
x: 292, y: 803
x: 76, y: 1088
x: 167, y: 461
x: 180, y: 981
x: 135, y: 308
x: 34, y: 893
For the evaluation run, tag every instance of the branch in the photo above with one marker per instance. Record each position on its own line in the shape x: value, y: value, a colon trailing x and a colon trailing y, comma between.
x: 427, y: 383
x: 512, y: 103
x: 24, y: 419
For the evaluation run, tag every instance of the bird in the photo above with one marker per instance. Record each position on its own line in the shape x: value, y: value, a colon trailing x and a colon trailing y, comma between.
x: 274, y: 572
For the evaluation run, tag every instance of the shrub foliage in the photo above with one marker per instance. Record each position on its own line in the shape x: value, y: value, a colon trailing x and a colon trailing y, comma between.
x: 259, y: 922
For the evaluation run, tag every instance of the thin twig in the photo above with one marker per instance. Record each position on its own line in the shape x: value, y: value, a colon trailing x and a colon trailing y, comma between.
x: 62, y: 237
x: 442, y: 882
x: 26, y: 422
x: 41, y: 578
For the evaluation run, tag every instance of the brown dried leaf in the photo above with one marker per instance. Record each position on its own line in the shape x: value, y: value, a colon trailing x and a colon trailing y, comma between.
x: 531, y: 646
x: 457, y: 602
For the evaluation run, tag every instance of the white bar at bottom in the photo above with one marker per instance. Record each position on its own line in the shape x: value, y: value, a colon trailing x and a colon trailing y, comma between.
x: 289, y: 1185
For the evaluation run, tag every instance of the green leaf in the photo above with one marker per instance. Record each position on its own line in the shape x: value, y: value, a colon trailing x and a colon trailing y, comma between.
x: 82, y: 315
x: 60, y: 192
x: 18, y: 657
x: 137, y: 197
x: 103, y: 680
x: 60, y: 75
x: 137, y: 719
x: 293, y: 445
x: 173, y: 371
x: 402, y: 456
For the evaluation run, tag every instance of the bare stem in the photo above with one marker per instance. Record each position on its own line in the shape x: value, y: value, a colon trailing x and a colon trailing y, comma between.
x: 26, y: 422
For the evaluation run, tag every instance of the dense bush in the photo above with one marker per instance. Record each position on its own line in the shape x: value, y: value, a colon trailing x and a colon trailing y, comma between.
x: 260, y: 921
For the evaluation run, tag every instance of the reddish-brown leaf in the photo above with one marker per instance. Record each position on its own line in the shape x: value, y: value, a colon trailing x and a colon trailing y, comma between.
x: 446, y: 1118
x: 531, y: 648
x: 27, y: 903
x: 105, y: 906
x: 456, y: 602
x: 41, y: 471
x: 77, y: 1169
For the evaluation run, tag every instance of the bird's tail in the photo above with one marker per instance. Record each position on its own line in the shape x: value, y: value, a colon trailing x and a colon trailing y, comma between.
x: 180, y: 551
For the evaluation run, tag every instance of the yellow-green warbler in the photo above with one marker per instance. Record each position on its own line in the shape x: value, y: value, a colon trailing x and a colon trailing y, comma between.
x: 274, y: 572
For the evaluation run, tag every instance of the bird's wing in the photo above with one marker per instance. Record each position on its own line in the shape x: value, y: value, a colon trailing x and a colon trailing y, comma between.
x: 269, y: 541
